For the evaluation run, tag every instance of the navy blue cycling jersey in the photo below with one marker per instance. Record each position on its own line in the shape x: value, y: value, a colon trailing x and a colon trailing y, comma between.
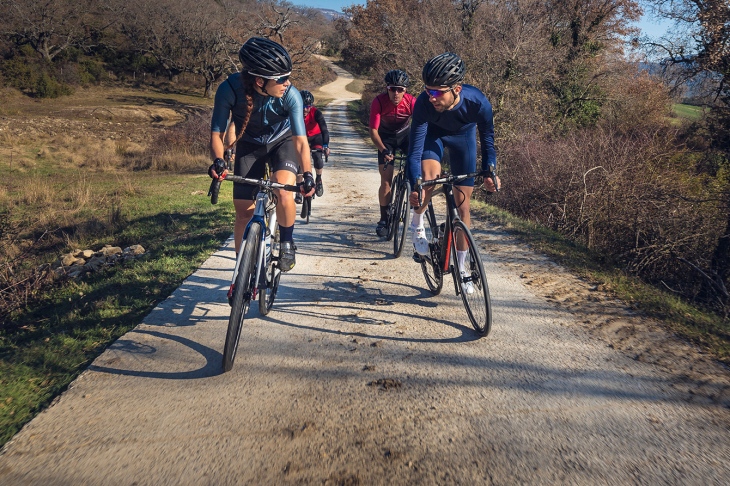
x: 473, y: 109
x: 271, y: 118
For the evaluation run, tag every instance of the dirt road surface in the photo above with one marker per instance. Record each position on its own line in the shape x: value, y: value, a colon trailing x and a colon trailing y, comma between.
x: 360, y: 376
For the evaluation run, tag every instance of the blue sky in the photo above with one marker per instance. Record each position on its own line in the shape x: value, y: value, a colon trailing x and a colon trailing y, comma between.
x: 647, y: 24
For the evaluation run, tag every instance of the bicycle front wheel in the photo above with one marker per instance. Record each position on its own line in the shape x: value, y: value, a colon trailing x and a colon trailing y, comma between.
x: 392, y: 207
x: 430, y: 264
x: 242, y: 294
x: 471, y: 281
x: 267, y: 294
x: 402, y: 211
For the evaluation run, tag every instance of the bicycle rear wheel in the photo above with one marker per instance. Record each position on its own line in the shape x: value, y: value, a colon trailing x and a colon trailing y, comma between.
x: 273, y: 274
x: 473, y: 284
x: 401, y: 213
x: 242, y: 294
x: 430, y: 264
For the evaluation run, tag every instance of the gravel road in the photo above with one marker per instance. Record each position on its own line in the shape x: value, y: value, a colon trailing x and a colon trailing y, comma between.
x: 360, y: 376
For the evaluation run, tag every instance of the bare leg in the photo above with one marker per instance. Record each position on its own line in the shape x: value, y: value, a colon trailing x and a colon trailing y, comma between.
x: 244, y: 211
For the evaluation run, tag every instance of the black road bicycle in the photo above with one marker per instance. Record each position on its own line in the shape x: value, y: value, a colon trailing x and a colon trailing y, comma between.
x: 307, y: 201
x: 398, y: 207
x: 470, y: 281
x: 257, y: 273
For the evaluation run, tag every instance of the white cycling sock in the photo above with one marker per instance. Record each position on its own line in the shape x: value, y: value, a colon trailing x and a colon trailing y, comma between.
x: 461, y: 258
x: 417, y: 220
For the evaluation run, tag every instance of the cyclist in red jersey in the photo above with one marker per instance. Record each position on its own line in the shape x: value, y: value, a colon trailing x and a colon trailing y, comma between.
x: 390, y: 114
x: 318, y: 137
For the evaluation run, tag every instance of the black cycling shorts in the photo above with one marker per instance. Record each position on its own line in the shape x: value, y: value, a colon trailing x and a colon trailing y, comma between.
x: 394, y: 140
x: 251, y: 160
x: 315, y: 141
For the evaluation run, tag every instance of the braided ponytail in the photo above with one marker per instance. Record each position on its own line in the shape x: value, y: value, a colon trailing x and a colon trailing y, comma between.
x: 248, y: 84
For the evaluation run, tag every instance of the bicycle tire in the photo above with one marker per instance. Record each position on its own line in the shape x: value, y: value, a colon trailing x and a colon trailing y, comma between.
x: 430, y: 264
x: 401, y: 217
x: 392, y: 205
x: 477, y: 303
x: 273, y: 274
x: 241, y: 294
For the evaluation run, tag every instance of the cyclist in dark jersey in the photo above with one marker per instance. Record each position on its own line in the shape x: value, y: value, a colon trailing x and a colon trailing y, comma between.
x: 318, y: 137
x: 389, y: 116
x: 268, y: 116
x: 446, y: 116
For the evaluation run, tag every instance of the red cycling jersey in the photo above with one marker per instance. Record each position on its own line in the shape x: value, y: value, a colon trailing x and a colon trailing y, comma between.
x: 384, y: 114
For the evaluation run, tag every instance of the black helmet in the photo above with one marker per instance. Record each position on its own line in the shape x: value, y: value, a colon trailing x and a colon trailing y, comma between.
x: 445, y: 69
x: 396, y: 77
x: 307, y: 97
x: 264, y: 57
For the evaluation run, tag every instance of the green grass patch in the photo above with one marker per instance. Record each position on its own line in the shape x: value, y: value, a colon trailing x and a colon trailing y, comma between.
x: 47, y: 345
x: 703, y: 328
x: 688, y: 112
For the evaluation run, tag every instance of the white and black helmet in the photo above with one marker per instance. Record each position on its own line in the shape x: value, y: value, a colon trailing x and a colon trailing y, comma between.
x: 264, y: 57
x: 446, y: 69
x: 396, y: 77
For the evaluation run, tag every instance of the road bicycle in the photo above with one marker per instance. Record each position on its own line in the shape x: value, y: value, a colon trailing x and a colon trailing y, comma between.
x: 470, y: 281
x: 306, y: 211
x: 257, y: 273
x: 398, y: 207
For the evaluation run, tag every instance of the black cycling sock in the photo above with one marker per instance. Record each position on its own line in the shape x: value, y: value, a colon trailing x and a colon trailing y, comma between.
x: 286, y: 233
x: 319, y: 177
x: 383, y: 213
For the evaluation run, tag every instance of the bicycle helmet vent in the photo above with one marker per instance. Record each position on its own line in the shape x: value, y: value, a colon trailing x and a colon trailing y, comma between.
x: 396, y: 77
x: 264, y: 57
x: 307, y: 97
x: 446, y: 69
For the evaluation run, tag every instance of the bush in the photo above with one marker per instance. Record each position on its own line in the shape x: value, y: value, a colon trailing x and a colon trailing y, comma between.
x: 634, y: 198
x: 48, y: 87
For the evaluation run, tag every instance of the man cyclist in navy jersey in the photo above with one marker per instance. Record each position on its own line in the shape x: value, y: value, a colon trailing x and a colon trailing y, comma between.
x: 318, y: 137
x: 389, y: 116
x: 447, y: 115
x: 267, y: 112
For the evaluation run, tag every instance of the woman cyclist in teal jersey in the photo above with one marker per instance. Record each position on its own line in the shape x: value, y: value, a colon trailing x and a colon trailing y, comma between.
x: 267, y: 112
x: 447, y: 115
x: 390, y: 113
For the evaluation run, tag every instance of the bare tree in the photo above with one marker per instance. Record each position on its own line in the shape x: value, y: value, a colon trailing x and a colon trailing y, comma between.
x: 49, y: 27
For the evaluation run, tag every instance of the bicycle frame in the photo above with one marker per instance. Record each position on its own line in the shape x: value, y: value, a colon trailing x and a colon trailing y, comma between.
x: 445, y: 240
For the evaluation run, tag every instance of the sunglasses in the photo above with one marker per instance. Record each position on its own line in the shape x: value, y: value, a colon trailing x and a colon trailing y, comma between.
x: 277, y: 79
x: 307, y: 107
x: 435, y: 93
x: 396, y: 89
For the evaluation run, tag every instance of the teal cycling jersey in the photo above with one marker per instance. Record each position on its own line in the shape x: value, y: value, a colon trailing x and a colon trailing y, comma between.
x: 270, y: 119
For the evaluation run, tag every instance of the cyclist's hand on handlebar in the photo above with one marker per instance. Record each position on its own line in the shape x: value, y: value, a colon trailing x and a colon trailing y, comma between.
x: 414, y: 199
x: 307, y: 185
x: 388, y: 155
x: 217, y: 169
x: 326, y: 150
x: 489, y: 184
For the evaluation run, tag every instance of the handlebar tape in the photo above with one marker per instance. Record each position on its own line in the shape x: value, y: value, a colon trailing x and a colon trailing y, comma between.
x: 215, y: 187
